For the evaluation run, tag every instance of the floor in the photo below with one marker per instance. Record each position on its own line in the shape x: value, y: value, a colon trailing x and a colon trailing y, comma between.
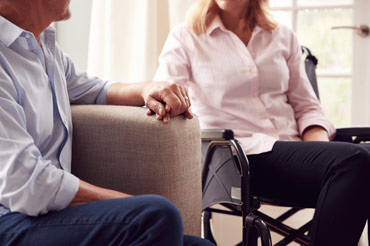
x: 227, y: 229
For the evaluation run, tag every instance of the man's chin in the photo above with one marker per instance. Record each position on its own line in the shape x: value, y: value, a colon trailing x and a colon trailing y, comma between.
x: 66, y: 16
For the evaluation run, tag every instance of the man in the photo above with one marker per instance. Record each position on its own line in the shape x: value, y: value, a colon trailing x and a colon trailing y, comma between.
x: 41, y: 202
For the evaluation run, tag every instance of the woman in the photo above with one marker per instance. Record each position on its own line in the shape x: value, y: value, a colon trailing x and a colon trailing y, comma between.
x: 245, y: 72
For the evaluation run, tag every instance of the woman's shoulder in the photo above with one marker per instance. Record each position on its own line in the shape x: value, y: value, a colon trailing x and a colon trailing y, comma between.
x: 181, y: 31
x: 284, y: 30
x: 184, y: 36
x: 284, y: 35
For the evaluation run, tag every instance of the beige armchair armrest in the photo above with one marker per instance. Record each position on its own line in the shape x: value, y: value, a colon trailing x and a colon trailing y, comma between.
x: 122, y: 148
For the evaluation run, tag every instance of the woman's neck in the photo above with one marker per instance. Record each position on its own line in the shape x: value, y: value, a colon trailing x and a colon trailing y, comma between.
x: 236, y: 23
x: 232, y: 22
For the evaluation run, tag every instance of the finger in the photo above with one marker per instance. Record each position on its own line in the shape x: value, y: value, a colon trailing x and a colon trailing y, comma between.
x: 188, y: 114
x: 173, y: 97
x: 159, y: 117
x: 172, y: 100
x: 155, y: 106
x: 167, y: 108
x: 186, y: 96
x: 149, y: 112
x: 166, y: 118
x: 180, y: 93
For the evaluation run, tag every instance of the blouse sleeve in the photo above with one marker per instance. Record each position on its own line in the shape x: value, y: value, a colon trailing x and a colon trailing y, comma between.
x: 174, y: 63
x: 307, y: 108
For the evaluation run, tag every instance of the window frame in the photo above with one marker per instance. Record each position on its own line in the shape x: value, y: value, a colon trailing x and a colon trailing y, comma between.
x: 294, y: 10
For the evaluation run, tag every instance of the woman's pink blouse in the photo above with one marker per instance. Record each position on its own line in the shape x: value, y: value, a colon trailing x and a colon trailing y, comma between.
x: 261, y: 90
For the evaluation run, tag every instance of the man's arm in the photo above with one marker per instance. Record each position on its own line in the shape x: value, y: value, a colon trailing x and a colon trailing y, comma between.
x: 29, y: 184
x: 162, y: 98
x: 88, y: 193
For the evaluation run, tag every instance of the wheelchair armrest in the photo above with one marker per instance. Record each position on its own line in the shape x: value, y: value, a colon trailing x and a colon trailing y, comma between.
x: 217, y: 134
x: 352, y: 134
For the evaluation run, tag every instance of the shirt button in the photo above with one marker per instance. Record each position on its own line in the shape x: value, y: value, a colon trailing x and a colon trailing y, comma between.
x: 263, y: 116
x: 28, y: 35
x: 253, y: 71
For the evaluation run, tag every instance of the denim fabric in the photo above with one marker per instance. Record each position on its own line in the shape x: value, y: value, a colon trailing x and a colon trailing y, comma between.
x: 141, y: 220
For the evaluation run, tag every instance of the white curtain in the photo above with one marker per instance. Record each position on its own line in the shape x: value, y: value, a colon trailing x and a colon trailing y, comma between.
x: 126, y: 36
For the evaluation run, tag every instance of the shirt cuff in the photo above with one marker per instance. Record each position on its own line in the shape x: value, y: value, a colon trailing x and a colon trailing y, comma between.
x: 67, y: 191
x: 102, y: 98
x: 327, y: 125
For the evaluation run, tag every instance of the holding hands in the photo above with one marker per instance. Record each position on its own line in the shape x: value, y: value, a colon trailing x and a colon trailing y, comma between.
x: 161, y: 98
x: 166, y: 100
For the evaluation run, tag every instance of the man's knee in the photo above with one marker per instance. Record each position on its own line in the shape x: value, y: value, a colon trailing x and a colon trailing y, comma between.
x: 159, y: 212
x: 163, y: 209
x: 161, y: 218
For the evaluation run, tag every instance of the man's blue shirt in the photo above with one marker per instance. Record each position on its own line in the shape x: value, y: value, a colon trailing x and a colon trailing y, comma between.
x: 37, y: 86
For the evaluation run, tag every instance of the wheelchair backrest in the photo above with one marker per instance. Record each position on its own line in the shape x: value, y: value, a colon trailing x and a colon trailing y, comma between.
x: 310, y: 63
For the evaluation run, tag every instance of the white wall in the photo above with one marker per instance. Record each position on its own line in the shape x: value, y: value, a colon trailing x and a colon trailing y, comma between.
x: 73, y: 34
x: 360, y: 71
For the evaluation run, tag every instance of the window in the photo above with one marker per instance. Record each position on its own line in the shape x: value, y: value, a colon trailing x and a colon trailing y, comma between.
x: 313, y: 20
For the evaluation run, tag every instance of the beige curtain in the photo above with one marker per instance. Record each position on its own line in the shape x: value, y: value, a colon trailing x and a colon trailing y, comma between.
x: 126, y: 36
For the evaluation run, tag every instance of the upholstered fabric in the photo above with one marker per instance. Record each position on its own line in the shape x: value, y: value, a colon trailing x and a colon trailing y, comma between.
x: 122, y: 148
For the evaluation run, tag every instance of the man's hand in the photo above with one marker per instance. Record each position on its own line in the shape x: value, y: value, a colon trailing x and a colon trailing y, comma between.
x: 315, y: 133
x: 161, y: 98
x: 166, y: 100
x: 89, y: 193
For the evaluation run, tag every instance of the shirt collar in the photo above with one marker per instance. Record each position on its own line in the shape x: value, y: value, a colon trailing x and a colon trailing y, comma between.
x: 9, y: 32
x: 218, y: 24
x: 215, y: 24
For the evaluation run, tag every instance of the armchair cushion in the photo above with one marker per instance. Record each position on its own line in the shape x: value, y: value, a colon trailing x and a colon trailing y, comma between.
x: 121, y: 148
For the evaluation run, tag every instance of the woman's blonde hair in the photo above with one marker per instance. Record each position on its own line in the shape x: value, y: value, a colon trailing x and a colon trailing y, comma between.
x: 200, y: 16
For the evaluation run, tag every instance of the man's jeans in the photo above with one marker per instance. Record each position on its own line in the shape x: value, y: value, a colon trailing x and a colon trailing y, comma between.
x: 148, y: 220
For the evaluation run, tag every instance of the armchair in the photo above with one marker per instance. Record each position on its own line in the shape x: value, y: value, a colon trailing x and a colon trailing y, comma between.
x: 121, y: 148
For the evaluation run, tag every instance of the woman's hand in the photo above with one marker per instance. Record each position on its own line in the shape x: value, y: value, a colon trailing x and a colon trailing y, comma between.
x: 315, y: 133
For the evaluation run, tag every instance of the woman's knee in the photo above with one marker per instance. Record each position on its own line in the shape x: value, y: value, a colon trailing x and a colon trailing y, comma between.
x: 361, y: 161
x: 356, y: 164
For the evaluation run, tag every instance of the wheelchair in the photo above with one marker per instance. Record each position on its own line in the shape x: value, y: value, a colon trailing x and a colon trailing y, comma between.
x: 226, y: 182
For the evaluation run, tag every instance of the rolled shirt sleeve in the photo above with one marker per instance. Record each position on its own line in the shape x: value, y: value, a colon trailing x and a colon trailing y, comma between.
x: 29, y: 184
x: 307, y: 108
